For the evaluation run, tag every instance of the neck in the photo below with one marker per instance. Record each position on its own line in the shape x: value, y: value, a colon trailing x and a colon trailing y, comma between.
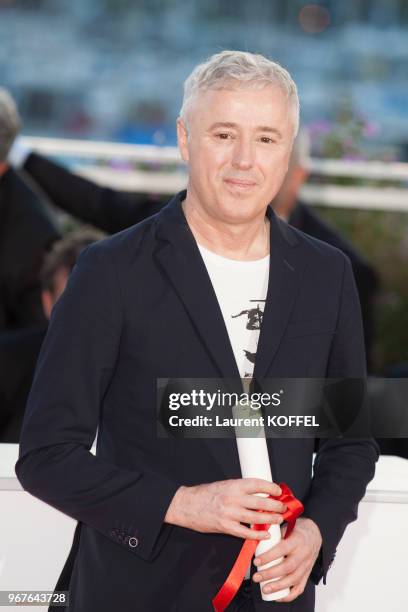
x: 248, y: 240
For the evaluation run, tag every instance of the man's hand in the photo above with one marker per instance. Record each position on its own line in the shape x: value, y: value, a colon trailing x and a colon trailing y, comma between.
x: 300, y: 551
x: 221, y: 507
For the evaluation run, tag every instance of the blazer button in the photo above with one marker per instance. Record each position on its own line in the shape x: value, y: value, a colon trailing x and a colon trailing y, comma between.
x: 133, y: 542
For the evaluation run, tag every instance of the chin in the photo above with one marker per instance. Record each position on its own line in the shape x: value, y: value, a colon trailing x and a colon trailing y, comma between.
x: 239, y: 210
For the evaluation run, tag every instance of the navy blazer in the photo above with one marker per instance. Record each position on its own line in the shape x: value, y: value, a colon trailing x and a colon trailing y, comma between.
x: 139, y: 306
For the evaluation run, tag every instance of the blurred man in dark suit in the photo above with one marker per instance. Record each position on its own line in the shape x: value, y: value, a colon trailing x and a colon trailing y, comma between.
x: 289, y: 206
x: 19, y: 349
x: 26, y: 232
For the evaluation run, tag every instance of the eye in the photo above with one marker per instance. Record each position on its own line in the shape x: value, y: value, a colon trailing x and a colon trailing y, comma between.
x: 267, y: 140
x: 223, y: 135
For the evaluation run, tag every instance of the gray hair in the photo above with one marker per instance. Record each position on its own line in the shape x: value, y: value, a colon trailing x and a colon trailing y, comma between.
x: 222, y: 69
x: 10, y: 123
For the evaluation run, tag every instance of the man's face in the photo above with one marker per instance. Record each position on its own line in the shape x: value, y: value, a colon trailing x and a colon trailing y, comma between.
x: 238, y: 148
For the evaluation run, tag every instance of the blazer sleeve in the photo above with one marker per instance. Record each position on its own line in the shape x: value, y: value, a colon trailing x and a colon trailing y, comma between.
x: 105, y: 208
x: 75, y: 366
x: 343, y: 466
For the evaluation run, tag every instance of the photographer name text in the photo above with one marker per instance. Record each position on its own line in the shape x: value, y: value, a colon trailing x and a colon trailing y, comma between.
x: 292, y: 420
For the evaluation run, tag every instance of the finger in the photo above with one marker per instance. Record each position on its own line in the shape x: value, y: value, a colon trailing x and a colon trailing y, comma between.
x: 257, y: 485
x: 240, y: 531
x: 281, y: 549
x: 258, y: 518
x: 294, y: 592
x: 289, y: 565
x: 254, y: 502
x: 290, y: 581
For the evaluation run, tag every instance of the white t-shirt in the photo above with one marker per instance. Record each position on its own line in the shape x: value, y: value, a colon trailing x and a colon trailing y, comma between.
x: 241, y: 288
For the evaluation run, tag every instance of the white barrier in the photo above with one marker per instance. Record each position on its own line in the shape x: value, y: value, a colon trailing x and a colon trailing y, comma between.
x: 369, y: 571
x: 162, y: 181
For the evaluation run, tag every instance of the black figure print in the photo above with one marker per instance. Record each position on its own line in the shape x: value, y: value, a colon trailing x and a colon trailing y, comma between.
x: 254, y: 316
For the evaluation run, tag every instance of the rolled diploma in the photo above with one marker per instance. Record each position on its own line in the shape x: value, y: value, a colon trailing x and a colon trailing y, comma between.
x: 254, y: 461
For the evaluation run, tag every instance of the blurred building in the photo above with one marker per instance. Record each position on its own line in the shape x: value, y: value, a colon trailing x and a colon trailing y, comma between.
x: 114, y: 68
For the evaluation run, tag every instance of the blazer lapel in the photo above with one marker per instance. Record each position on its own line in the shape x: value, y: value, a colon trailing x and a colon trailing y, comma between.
x: 180, y: 259
x: 285, y: 273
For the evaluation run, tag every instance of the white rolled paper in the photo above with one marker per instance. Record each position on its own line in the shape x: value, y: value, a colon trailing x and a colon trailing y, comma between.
x: 254, y: 461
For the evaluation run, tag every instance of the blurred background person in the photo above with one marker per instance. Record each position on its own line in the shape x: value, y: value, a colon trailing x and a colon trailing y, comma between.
x: 26, y: 232
x: 19, y: 349
x: 107, y: 209
x: 289, y: 206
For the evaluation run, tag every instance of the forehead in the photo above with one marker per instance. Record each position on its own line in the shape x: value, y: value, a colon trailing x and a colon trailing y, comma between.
x: 245, y: 106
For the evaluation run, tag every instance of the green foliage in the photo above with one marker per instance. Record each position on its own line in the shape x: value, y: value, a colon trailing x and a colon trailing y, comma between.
x: 379, y: 235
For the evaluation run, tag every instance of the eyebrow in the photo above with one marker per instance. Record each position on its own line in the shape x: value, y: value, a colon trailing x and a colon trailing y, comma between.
x: 260, y: 128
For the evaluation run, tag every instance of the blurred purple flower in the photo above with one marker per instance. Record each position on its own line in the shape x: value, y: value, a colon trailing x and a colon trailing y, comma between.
x: 370, y: 129
x: 354, y: 157
x: 348, y: 143
x: 322, y: 126
x: 120, y: 164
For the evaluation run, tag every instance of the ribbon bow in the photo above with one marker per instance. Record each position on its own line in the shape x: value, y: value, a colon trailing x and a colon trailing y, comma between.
x: 234, y: 580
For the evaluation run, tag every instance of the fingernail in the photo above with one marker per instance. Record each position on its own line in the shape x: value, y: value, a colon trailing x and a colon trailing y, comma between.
x: 256, y: 562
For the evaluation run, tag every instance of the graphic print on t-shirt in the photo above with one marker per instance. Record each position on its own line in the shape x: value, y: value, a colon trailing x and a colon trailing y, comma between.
x: 241, y: 288
x: 253, y: 317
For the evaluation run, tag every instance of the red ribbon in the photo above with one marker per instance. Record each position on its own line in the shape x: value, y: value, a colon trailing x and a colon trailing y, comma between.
x: 234, y: 580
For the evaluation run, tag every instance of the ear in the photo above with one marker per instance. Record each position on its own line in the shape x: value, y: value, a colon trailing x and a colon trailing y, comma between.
x: 182, y: 137
x: 299, y: 176
x: 47, y: 302
x: 3, y: 168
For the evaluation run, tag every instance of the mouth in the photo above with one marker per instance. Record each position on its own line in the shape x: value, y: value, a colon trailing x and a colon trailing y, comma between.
x: 240, y: 183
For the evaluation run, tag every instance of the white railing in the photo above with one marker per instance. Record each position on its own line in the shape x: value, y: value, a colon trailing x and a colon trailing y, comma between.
x: 162, y: 181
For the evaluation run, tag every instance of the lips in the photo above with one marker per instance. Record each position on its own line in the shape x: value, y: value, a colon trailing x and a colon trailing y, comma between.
x: 240, y: 182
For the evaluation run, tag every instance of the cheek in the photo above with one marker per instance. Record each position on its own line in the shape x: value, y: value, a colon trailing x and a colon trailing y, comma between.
x: 203, y: 160
x: 274, y: 168
x: 214, y: 159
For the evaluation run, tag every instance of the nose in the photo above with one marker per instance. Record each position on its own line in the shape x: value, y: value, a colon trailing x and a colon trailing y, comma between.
x: 243, y: 155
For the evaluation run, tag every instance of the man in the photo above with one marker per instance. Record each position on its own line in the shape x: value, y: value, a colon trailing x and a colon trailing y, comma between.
x: 289, y: 207
x: 26, y: 232
x: 161, y: 520
x: 19, y: 349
